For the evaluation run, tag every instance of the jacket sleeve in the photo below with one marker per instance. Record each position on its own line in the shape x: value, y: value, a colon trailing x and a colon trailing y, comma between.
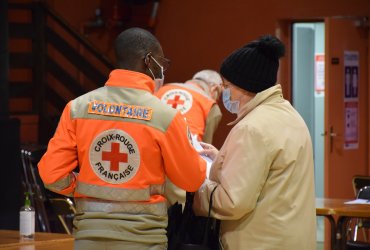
x: 174, y: 194
x: 183, y: 165
x: 244, y: 167
x: 57, y: 164
x: 212, y: 121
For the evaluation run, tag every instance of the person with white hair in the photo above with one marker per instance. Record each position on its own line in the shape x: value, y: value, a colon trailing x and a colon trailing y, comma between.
x: 196, y: 99
x: 213, y: 81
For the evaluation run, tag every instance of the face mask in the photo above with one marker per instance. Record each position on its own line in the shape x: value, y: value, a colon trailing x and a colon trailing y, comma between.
x: 231, y: 106
x: 158, y: 81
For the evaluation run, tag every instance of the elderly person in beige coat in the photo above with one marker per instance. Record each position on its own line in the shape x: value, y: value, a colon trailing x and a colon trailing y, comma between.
x: 264, y: 171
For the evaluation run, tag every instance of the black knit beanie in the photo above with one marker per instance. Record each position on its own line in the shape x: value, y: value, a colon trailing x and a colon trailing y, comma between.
x: 254, y: 66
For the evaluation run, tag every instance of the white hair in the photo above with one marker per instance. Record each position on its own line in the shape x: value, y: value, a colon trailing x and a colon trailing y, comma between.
x: 209, y: 76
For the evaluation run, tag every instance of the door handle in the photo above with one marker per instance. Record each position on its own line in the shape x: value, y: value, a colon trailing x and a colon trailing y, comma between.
x: 332, y: 136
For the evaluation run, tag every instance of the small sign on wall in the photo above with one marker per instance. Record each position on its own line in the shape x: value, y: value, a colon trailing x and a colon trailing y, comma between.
x: 351, y: 73
x: 319, y: 73
x: 351, y: 125
x: 351, y: 99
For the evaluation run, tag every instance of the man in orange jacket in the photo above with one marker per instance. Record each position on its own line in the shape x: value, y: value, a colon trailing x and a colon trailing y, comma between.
x: 125, y: 143
x: 196, y: 99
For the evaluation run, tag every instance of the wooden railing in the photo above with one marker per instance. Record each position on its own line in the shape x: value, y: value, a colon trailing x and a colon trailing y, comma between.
x: 60, y: 58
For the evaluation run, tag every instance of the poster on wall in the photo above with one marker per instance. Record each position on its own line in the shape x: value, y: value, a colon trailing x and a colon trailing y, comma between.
x: 319, y: 73
x: 351, y: 99
x: 351, y: 74
x: 351, y: 125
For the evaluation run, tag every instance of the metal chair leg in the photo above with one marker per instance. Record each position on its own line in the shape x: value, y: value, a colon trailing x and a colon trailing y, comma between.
x: 64, y: 224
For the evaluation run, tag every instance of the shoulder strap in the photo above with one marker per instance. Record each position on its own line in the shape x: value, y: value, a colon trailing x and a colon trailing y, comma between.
x: 206, y: 233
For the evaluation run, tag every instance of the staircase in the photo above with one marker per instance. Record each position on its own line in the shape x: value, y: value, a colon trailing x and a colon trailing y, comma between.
x: 50, y: 64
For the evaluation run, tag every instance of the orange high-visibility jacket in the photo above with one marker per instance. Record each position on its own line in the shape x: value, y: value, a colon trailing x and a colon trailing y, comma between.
x: 125, y: 142
x: 202, y: 113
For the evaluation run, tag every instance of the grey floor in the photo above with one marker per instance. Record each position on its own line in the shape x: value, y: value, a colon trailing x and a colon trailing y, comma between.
x: 320, y: 245
x: 320, y: 232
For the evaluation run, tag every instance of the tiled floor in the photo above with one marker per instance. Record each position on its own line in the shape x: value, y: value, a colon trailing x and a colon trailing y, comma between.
x: 320, y: 245
x: 320, y: 233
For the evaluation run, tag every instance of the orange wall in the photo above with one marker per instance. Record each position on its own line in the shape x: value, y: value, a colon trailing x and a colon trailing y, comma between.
x: 199, y: 34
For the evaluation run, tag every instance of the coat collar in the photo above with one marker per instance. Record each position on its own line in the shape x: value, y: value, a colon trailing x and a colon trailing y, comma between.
x: 272, y: 94
x: 130, y: 79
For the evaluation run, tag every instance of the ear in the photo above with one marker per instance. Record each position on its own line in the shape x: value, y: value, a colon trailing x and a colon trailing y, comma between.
x: 147, y: 59
x: 216, y: 91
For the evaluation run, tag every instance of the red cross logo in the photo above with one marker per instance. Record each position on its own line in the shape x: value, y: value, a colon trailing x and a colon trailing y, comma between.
x: 176, y: 101
x: 115, y: 157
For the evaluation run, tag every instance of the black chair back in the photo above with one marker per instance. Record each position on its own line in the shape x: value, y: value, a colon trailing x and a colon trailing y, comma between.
x: 30, y: 155
x: 364, y: 193
x: 360, y: 181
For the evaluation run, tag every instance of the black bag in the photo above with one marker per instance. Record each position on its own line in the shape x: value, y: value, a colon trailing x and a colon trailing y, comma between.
x: 189, y: 232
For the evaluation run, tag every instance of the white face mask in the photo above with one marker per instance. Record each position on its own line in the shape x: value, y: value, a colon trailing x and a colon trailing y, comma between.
x: 231, y: 106
x: 158, y: 81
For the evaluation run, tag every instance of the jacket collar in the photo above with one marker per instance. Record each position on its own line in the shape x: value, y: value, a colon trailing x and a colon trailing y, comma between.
x: 272, y: 94
x: 130, y: 79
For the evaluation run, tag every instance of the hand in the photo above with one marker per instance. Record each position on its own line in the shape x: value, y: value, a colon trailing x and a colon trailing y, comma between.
x: 208, y: 150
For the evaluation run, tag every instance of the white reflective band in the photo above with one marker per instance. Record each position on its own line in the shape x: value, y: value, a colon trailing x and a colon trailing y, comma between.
x: 119, y: 194
x: 60, y: 184
x: 96, y: 205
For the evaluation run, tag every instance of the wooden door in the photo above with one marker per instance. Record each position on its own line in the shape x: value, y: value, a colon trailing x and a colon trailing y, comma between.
x: 346, y: 105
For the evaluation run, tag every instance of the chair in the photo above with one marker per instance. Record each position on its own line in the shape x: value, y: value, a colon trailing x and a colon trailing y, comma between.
x: 48, y: 205
x: 354, y: 243
x: 32, y: 183
x: 65, y: 210
x: 360, y: 181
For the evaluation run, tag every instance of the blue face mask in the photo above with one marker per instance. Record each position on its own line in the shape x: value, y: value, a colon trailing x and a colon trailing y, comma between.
x: 231, y: 106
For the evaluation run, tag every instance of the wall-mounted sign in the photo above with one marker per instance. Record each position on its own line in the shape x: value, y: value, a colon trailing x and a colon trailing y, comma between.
x: 351, y: 99
x: 319, y: 73
x: 351, y: 74
x: 351, y: 125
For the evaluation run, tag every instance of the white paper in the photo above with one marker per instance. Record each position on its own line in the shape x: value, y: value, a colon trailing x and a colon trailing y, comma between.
x: 198, y: 148
x: 358, y: 201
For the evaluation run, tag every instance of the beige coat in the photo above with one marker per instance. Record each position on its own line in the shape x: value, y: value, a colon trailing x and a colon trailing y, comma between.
x: 265, y: 175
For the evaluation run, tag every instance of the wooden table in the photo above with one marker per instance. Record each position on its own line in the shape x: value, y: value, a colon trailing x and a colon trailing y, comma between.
x: 328, y: 207
x: 345, y: 213
x: 10, y: 240
x: 336, y: 208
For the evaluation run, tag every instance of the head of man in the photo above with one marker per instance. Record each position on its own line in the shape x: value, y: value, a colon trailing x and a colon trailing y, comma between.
x: 210, y: 81
x: 138, y: 50
x: 250, y: 70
